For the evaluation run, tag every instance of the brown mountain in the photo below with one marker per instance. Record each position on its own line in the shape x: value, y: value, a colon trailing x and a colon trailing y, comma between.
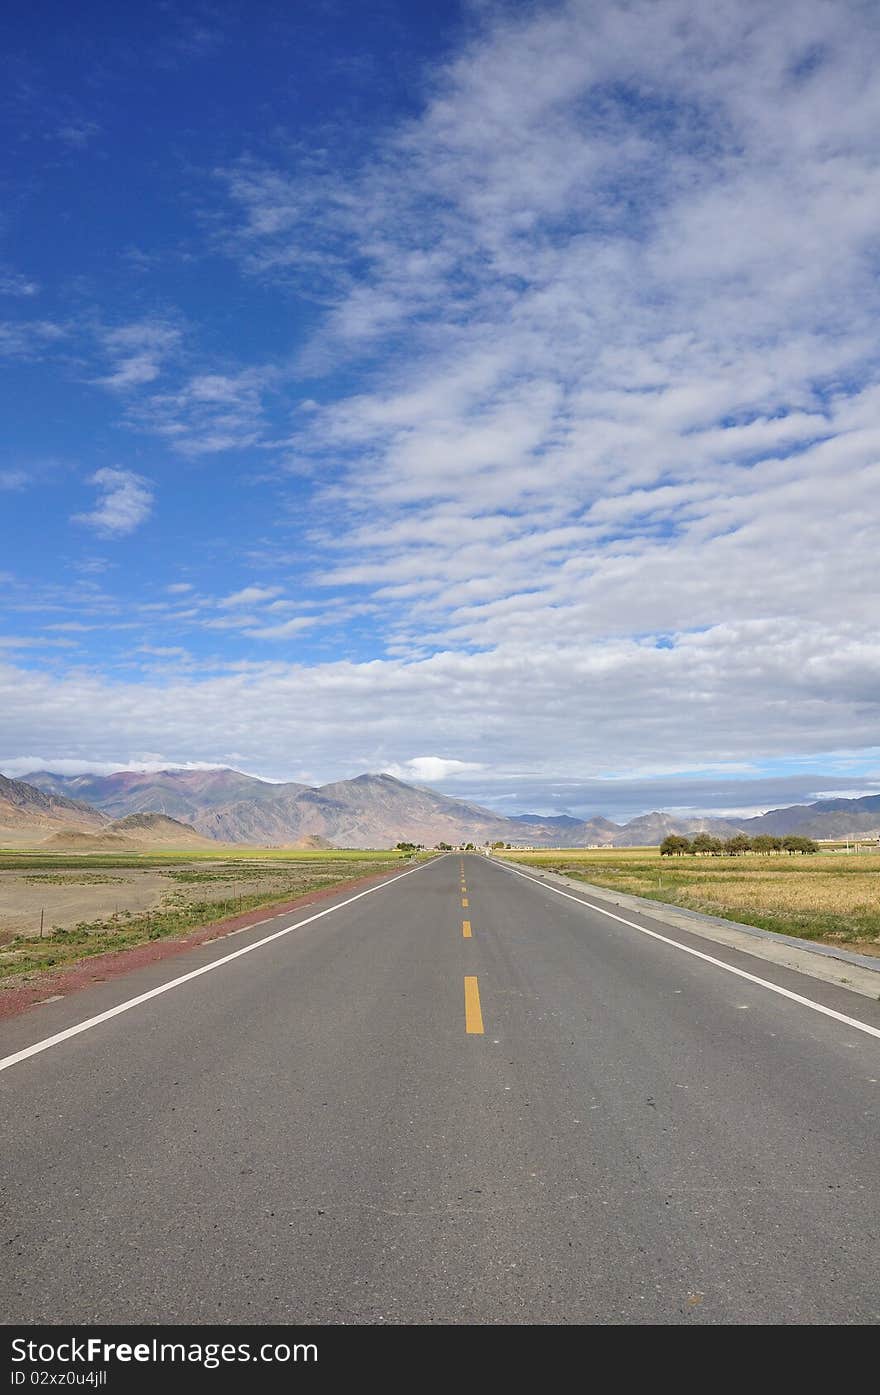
x: 367, y: 812
x: 267, y: 821
x: 379, y: 811
x: 650, y: 829
x: 181, y: 794
x: 28, y: 814
x: 599, y: 832
x: 159, y: 828
x: 827, y: 818
x: 134, y: 833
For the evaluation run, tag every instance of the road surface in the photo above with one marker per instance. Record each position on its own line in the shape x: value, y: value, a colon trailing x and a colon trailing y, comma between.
x: 458, y: 1098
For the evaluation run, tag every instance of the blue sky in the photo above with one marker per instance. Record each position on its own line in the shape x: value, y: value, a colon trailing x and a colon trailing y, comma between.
x: 485, y: 393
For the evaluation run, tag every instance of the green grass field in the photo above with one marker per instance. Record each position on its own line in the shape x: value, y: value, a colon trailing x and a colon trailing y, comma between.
x: 832, y: 896
x: 19, y: 859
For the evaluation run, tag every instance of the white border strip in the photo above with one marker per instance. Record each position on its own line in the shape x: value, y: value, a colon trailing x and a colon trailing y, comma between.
x: 698, y: 954
x: 44, y: 1045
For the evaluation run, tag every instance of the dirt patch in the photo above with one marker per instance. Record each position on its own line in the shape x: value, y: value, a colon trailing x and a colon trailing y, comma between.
x: 66, y: 898
x: 75, y: 895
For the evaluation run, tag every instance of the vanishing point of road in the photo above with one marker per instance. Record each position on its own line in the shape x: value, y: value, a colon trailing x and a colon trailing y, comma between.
x: 458, y: 1097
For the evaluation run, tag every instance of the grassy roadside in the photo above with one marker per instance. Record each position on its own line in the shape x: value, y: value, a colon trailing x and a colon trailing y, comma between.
x: 176, y: 916
x: 830, y: 897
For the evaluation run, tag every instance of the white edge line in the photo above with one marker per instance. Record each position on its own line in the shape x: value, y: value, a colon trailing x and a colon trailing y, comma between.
x: 55, y: 1040
x: 698, y: 954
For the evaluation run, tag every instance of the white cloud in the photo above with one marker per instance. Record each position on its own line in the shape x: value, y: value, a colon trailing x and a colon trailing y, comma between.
x: 14, y: 284
x: 432, y: 769
x: 25, y: 765
x: 77, y: 134
x: 29, y: 339
x: 14, y: 479
x: 639, y: 377
x: 251, y: 595
x: 93, y: 566
x: 210, y: 412
x: 286, y: 630
x: 231, y: 622
x: 743, y: 692
x: 138, y: 352
x: 126, y: 502
x: 33, y: 642
x: 614, y: 452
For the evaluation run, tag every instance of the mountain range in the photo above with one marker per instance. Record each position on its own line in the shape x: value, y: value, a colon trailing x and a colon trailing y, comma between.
x: 228, y: 806
x: 27, y: 813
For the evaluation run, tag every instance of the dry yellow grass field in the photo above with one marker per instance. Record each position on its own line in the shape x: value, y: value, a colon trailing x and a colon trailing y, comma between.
x: 831, y: 896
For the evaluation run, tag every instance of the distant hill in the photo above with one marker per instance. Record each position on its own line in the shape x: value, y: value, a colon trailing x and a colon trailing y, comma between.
x: 159, y: 828
x: 560, y: 821
x: 828, y: 818
x: 73, y: 840
x: 649, y: 829
x: 134, y: 833
x: 597, y: 832
x: 27, y: 813
x: 645, y: 831
x: 181, y: 794
x: 371, y: 810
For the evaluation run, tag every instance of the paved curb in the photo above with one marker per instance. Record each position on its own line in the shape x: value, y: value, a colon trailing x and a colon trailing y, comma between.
x: 858, y: 972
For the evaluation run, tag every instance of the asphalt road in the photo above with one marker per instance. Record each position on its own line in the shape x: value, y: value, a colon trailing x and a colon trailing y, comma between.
x: 319, y: 1131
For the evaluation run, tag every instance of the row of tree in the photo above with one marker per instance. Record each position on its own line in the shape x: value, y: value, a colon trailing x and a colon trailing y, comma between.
x: 704, y: 843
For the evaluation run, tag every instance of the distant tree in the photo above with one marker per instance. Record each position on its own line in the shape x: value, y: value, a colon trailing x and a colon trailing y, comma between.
x: 469, y: 847
x: 737, y: 845
x: 706, y: 843
x: 443, y: 847
x: 766, y: 843
x: 497, y: 845
x: 405, y: 847
x: 674, y: 845
x: 794, y: 844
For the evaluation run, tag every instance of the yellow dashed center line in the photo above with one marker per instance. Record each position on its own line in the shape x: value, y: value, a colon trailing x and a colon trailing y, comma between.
x: 466, y: 929
x: 473, y: 1016
x: 464, y: 903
